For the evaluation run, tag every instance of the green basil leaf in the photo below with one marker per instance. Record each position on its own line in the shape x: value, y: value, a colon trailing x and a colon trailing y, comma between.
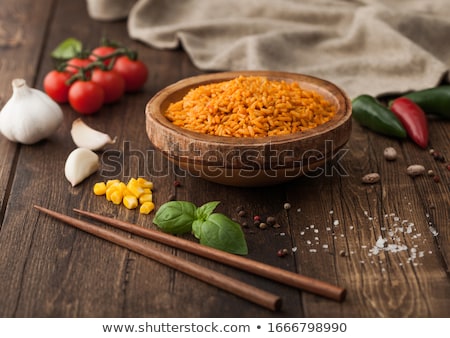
x: 175, y: 217
x: 220, y: 232
x: 196, y: 228
x: 206, y: 209
x: 67, y: 49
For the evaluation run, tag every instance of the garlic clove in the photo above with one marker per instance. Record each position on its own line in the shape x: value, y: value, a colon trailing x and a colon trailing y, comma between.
x: 86, y: 137
x: 80, y: 164
x: 29, y: 115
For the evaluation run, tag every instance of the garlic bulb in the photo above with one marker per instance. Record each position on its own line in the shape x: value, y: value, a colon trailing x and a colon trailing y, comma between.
x: 30, y: 115
x: 86, y: 137
x: 80, y: 164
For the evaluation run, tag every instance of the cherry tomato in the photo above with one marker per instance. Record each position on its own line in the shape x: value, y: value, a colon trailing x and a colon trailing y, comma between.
x: 102, y: 51
x: 55, y: 85
x: 112, y: 83
x: 86, y: 97
x: 134, y: 72
x: 75, y: 63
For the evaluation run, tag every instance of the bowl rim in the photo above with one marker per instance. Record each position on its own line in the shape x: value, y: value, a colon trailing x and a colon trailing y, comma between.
x: 321, y: 85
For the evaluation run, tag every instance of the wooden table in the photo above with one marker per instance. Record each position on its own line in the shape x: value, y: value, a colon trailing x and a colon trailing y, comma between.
x: 49, y: 269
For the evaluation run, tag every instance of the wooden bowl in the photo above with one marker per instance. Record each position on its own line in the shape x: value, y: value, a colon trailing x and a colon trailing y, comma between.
x: 248, y: 162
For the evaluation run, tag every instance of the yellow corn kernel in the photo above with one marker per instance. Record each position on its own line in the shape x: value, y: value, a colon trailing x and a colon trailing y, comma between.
x: 134, y: 188
x: 141, y: 181
x: 114, y: 185
x: 99, y: 188
x: 130, y: 202
x: 133, y: 181
x: 145, y: 183
x: 112, y: 188
x: 109, y: 191
x: 123, y: 188
x: 132, y: 194
x: 145, y: 198
x: 110, y: 182
x: 116, y: 197
x: 146, y: 208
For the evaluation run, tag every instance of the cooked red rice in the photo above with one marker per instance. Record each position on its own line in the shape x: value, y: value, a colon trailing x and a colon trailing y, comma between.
x: 250, y: 107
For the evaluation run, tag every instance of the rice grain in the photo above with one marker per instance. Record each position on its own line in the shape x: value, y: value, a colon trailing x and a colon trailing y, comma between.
x: 250, y: 106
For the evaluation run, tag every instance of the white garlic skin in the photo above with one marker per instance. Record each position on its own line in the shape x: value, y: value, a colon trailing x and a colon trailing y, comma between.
x: 30, y: 115
x: 86, y: 137
x: 80, y: 164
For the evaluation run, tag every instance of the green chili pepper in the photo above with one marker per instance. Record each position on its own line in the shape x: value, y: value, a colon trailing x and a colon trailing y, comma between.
x: 434, y: 101
x: 369, y: 112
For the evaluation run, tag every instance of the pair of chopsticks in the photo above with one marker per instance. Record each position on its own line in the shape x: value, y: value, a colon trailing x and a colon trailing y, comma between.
x: 243, y: 290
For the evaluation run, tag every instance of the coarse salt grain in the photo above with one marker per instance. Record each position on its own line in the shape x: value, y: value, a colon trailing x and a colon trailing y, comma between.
x: 380, y: 242
x: 434, y: 231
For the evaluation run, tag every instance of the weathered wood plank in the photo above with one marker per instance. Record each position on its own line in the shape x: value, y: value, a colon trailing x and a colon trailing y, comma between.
x: 349, y: 218
x: 21, y: 39
x: 49, y: 269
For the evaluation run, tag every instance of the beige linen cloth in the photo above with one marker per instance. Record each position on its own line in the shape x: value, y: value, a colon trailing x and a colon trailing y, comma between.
x: 367, y: 46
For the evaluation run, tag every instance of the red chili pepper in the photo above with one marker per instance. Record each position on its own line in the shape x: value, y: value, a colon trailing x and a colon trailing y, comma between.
x: 412, y: 118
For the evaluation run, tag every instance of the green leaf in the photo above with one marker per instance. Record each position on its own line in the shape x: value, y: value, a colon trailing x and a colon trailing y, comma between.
x: 67, y: 49
x: 175, y: 217
x: 220, y: 232
x: 196, y: 227
x: 206, y: 209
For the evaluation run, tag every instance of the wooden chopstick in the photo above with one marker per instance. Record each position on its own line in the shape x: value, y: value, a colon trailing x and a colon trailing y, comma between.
x: 236, y: 287
x: 282, y: 276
